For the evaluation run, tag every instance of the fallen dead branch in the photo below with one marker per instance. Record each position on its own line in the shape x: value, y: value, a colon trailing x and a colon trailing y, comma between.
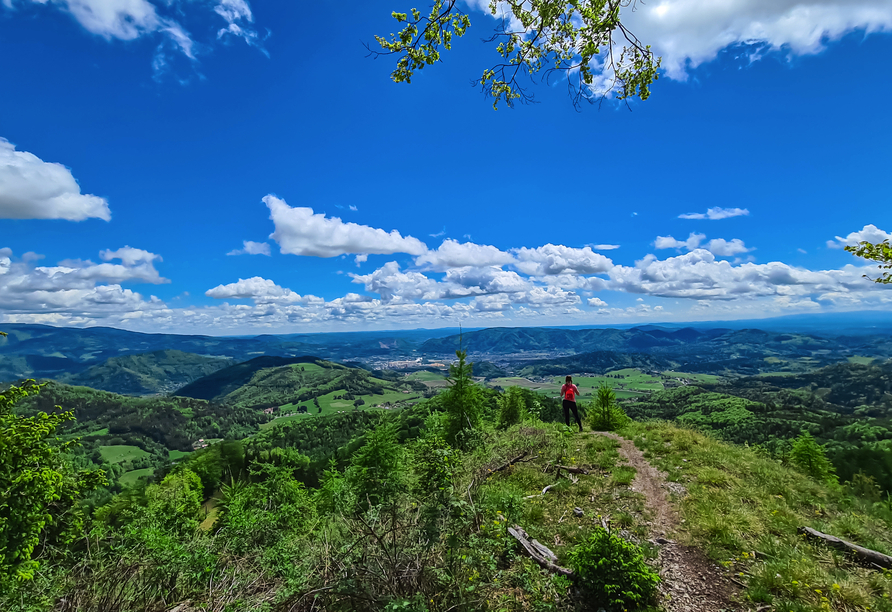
x: 544, y: 491
x: 538, y: 552
x: 865, y: 555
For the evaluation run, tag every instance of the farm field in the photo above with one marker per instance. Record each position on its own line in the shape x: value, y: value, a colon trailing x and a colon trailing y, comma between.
x: 861, y: 360
x: 130, y: 478
x: 121, y: 452
x: 525, y: 383
x: 425, y: 376
x: 330, y: 405
x: 629, y: 382
x: 433, y: 380
x: 708, y: 379
x: 176, y: 455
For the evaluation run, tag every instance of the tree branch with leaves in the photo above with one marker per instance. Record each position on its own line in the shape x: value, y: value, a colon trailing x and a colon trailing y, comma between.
x: 536, y: 39
x: 880, y: 252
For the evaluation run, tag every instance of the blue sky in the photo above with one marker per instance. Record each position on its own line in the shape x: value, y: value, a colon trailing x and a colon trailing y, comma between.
x: 146, y: 142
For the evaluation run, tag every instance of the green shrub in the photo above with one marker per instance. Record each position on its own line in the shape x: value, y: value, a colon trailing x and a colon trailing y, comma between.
x: 810, y: 458
x: 511, y: 406
x: 613, y: 571
x: 263, y: 513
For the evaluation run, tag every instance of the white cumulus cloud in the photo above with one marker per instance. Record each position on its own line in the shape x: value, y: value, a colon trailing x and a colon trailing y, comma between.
x: 668, y: 242
x: 869, y: 233
x: 700, y: 275
x: 726, y: 248
x: 300, y: 231
x: 251, y: 248
x: 596, y: 302
x: 256, y: 288
x: 31, y: 188
x: 687, y: 33
x: 453, y: 254
x: 714, y: 214
x: 76, y: 292
x: 558, y: 259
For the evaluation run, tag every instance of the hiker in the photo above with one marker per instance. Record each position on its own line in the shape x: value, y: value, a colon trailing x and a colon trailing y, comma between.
x: 568, y: 393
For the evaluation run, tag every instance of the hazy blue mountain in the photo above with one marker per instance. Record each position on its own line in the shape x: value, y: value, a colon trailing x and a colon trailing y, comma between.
x: 742, y: 351
x: 43, y: 351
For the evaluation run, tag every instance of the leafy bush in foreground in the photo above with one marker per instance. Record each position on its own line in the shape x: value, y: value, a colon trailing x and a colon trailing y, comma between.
x: 613, y: 570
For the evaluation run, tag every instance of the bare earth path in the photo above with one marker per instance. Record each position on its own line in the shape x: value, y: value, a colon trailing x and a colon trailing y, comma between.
x: 691, y: 582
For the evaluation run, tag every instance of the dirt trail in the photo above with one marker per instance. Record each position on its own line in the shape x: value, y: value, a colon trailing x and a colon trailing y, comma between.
x: 691, y: 582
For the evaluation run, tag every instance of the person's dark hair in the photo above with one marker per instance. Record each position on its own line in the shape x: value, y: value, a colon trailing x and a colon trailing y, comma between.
x: 569, y: 379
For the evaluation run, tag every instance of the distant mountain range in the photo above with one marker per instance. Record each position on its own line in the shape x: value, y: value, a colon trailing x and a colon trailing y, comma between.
x: 742, y: 351
x: 43, y: 351
x: 142, y: 364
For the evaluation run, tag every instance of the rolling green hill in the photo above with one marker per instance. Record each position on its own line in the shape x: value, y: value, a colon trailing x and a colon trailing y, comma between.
x: 227, y: 380
x: 306, y: 385
x: 148, y: 373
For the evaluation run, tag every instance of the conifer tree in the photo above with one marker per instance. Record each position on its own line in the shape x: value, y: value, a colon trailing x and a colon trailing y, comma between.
x: 511, y: 406
x: 462, y: 400
x: 375, y: 474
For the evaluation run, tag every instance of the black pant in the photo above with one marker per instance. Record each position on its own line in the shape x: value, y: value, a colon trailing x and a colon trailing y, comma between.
x: 569, y: 405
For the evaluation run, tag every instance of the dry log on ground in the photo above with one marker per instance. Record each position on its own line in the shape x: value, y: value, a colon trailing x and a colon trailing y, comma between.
x: 572, y: 469
x: 509, y: 464
x: 870, y: 557
x: 538, y: 552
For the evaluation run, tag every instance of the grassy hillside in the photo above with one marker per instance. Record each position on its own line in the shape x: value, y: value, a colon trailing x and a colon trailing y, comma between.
x: 745, y: 510
x: 147, y: 373
x: 771, y: 411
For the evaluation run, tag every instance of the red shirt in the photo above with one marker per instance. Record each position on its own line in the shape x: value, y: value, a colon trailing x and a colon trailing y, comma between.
x: 569, y: 392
